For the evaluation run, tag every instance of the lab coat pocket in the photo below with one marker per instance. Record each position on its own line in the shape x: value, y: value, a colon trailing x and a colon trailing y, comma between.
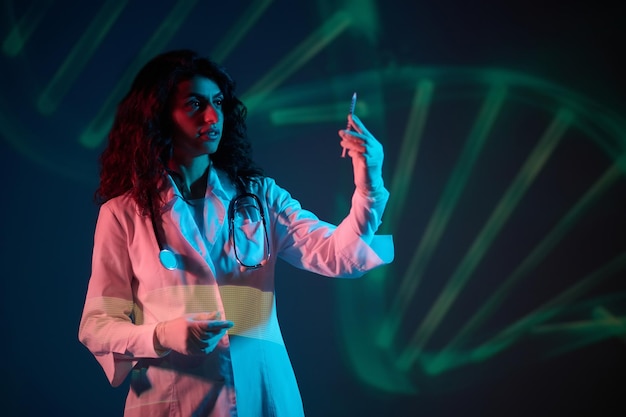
x: 249, y: 242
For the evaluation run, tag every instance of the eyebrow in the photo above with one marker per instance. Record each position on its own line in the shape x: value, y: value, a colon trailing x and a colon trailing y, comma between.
x: 202, y: 96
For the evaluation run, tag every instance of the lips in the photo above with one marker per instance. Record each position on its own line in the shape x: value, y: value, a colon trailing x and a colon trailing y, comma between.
x: 212, y: 133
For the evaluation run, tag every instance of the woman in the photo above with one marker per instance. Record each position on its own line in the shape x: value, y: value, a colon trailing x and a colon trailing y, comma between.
x: 181, y: 294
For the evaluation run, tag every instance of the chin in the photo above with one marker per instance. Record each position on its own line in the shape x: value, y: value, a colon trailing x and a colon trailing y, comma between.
x: 211, y: 148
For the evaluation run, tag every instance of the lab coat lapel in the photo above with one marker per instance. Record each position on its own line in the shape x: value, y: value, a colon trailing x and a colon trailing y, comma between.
x: 181, y: 218
x: 180, y: 215
x: 214, y: 208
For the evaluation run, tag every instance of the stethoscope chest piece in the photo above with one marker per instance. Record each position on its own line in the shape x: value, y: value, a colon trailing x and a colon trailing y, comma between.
x: 168, y: 259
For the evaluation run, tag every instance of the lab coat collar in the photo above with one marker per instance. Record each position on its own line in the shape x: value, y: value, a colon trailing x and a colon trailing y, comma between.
x: 217, y: 184
x: 178, y: 215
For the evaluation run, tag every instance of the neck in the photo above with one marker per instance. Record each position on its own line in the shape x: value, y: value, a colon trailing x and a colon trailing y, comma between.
x: 192, y: 176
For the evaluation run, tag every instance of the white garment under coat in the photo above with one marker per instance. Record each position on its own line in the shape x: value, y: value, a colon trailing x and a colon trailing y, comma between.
x: 129, y: 292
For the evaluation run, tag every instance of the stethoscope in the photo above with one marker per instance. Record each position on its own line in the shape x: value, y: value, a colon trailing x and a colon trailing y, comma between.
x: 169, y: 259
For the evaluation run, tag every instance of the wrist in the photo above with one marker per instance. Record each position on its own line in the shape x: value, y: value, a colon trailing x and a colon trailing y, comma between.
x: 157, y: 336
x: 373, y: 191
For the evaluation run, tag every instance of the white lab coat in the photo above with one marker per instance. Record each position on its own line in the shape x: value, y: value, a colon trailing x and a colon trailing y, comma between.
x: 249, y: 374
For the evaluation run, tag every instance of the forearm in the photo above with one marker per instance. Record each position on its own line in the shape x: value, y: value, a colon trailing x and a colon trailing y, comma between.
x: 366, y: 211
x: 115, y: 341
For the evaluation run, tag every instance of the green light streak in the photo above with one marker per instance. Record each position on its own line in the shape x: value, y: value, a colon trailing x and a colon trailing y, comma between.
x: 97, y: 130
x: 442, y: 214
x: 605, y: 315
x: 511, y: 334
x: 239, y: 29
x: 80, y: 54
x: 308, y: 114
x: 359, y: 302
x: 315, y: 114
x: 21, y: 32
x: 586, y: 333
x: 366, y: 14
x: 412, y: 138
x: 549, y: 242
x: 303, y: 53
x: 483, y: 241
x: 402, y: 177
x: 605, y: 324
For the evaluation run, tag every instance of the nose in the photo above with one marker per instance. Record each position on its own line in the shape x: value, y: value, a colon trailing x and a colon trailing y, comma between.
x: 210, y: 114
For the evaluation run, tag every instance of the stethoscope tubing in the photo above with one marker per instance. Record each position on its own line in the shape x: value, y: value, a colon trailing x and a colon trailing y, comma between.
x: 169, y: 260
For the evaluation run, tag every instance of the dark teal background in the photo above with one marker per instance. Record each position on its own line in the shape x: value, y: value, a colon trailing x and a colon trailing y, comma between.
x: 48, y: 216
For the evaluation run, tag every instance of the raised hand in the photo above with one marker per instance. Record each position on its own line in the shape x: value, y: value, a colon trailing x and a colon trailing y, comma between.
x: 366, y: 153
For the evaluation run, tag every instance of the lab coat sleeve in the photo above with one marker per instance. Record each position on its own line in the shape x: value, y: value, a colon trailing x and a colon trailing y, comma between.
x: 347, y: 250
x: 106, y: 326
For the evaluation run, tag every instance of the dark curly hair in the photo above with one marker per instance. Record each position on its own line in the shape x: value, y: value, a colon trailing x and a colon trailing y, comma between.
x: 140, y: 141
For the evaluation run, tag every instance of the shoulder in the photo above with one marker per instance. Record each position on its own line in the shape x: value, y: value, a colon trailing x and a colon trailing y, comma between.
x: 122, y: 206
x: 277, y: 198
x: 266, y: 186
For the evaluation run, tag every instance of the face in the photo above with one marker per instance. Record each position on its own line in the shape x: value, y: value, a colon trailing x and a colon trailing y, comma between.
x: 198, y: 117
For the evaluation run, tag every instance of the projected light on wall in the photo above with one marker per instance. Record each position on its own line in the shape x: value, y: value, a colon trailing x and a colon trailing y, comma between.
x: 507, y: 190
x: 500, y: 187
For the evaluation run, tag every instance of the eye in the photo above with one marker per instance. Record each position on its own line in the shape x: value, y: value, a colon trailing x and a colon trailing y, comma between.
x: 219, y: 101
x: 193, y: 104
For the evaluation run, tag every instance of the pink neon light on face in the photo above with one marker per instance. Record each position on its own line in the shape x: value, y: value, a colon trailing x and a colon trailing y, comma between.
x: 198, y: 117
